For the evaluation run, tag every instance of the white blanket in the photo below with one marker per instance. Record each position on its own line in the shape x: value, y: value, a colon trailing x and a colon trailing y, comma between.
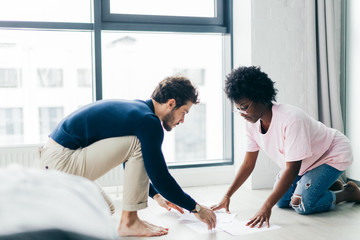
x: 34, y: 199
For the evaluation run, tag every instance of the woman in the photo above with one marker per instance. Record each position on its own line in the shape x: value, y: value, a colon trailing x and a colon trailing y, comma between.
x: 311, y: 156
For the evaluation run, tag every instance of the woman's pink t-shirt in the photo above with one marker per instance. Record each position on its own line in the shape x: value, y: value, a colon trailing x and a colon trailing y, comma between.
x: 294, y: 136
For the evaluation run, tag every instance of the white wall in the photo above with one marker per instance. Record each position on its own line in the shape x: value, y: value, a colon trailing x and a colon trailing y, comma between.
x: 276, y: 35
x: 353, y: 84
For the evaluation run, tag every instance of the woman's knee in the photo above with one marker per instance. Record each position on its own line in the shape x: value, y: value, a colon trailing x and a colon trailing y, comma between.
x: 301, y: 205
x: 283, y: 204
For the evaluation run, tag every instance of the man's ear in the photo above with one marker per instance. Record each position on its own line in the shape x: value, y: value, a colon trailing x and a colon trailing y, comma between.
x: 171, y: 103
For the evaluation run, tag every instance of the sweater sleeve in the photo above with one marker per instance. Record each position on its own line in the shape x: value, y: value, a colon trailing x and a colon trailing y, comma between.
x: 151, y: 134
x: 152, y: 191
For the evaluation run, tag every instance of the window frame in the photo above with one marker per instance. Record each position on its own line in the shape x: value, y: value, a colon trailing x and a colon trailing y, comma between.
x: 208, y: 24
x: 103, y: 20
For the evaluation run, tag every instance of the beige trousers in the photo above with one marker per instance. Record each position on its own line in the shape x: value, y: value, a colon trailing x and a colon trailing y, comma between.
x: 97, y: 159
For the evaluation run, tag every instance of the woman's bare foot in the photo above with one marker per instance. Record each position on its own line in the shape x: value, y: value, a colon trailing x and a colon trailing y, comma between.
x: 131, y: 225
x: 337, y: 186
x: 352, y: 192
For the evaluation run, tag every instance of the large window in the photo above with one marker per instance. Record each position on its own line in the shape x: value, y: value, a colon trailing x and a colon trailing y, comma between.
x: 58, y: 55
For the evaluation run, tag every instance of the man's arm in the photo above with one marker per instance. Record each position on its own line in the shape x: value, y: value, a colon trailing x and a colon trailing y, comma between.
x: 151, y: 135
x: 152, y: 191
x: 162, y: 201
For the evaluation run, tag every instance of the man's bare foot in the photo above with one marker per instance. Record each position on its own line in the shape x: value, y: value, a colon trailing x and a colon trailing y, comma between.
x: 131, y: 225
x: 156, y: 227
x: 337, y: 186
x: 352, y: 192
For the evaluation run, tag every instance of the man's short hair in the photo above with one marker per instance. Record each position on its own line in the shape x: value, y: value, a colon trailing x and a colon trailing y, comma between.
x: 176, y: 87
x: 251, y: 83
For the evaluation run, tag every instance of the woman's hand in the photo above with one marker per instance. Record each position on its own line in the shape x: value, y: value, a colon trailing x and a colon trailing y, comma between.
x: 225, y: 202
x: 263, y: 215
x: 166, y: 204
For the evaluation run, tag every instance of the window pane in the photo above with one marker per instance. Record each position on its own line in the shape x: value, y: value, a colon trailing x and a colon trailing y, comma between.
x: 11, y: 125
x: 134, y: 63
x: 45, y: 10
x: 190, y: 148
x: 49, y: 77
x: 48, y: 62
x: 49, y: 117
x: 189, y: 8
x: 84, y: 77
x: 10, y: 77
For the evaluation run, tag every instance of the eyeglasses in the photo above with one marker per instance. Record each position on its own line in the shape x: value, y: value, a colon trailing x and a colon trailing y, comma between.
x: 243, y: 110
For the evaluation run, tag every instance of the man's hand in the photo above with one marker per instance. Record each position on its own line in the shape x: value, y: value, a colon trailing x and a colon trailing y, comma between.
x: 207, y: 216
x: 166, y: 204
x: 263, y: 215
x: 225, y: 202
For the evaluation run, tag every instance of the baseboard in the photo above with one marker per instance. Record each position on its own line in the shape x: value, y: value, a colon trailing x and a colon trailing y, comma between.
x: 192, y: 177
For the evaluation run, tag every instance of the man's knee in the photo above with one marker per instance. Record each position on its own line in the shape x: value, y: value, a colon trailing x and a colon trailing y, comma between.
x: 135, y: 147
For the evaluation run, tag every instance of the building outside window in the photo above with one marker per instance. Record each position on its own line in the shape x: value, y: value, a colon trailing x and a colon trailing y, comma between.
x: 11, y: 125
x: 50, y: 77
x: 10, y: 78
x: 84, y: 77
x: 191, y: 142
x: 49, y: 117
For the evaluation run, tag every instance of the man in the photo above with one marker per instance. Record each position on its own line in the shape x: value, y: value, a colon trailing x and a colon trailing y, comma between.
x: 98, y: 137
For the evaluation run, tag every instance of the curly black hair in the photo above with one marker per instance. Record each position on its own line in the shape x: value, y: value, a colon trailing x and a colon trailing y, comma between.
x: 176, y: 87
x: 251, y: 83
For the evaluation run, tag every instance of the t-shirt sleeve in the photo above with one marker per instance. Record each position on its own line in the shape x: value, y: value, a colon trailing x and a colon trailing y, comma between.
x: 151, y: 134
x: 251, y: 144
x: 297, y: 141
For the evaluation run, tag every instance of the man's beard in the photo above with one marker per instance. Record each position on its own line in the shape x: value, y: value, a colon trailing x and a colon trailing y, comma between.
x: 167, y: 120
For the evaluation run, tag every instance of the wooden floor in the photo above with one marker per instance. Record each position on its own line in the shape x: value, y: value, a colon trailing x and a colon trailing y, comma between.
x: 342, y: 223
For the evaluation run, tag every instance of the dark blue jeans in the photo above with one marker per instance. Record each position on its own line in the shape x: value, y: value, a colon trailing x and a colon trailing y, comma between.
x: 312, y: 191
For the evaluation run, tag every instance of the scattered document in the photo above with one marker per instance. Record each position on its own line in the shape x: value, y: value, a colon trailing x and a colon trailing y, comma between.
x: 202, y: 228
x: 239, y: 228
x: 221, y: 217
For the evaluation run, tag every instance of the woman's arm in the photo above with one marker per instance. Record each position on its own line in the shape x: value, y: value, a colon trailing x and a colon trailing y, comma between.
x: 286, y: 179
x: 244, y: 172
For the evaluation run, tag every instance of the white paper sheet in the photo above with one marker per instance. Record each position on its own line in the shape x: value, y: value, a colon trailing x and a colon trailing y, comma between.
x: 238, y: 228
x: 221, y: 217
x: 202, y: 228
